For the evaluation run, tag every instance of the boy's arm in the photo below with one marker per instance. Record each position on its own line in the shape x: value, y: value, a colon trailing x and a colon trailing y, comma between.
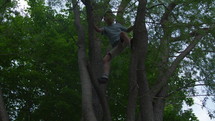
x: 97, y: 29
x: 130, y: 29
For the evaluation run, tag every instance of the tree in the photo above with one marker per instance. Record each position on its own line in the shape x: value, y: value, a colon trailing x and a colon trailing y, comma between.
x: 38, y: 65
x: 172, y: 52
x: 152, y: 96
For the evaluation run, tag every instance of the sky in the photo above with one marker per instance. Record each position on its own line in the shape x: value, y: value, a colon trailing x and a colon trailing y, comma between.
x: 200, y: 112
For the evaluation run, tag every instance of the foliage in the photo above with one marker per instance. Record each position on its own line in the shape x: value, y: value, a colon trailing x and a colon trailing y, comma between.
x: 172, y: 114
x: 38, y: 60
x: 38, y: 66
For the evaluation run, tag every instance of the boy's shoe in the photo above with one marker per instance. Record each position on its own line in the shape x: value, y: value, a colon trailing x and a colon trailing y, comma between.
x: 103, y: 80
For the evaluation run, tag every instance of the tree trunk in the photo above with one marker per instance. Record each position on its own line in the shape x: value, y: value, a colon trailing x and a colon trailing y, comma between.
x: 96, y: 66
x: 159, y: 104
x: 3, y: 113
x: 87, y: 107
x: 133, y: 90
x: 95, y: 60
x: 140, y: 49
x: 106, y: 115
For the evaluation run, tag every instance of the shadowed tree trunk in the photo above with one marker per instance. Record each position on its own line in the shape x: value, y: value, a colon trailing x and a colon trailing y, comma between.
x: 140, y: 43
x: 87, y: 107
x: 96, y: 64
x: 95, y: 68
x: 3, y: 113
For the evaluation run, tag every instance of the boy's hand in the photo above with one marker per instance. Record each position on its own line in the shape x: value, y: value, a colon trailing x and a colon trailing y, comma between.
x: 96, y: 28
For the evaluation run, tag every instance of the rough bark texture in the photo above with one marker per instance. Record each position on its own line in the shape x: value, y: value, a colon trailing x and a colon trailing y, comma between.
x: 3, y: 113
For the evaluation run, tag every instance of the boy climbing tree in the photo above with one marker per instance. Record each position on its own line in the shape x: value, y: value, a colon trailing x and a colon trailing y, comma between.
x: 118, y: 38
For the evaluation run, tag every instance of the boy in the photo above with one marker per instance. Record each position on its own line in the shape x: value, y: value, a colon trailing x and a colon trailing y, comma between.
x: 118, y: 38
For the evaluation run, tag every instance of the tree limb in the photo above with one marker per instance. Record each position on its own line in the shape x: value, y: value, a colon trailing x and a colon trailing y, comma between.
x: 3, y: 113
x: 165, y: 16
x: 184, y: 87
x: 174, y: 65
x: 101, y: 93
x: 192, y: 34
x: 121, y: 10
x: 87, y: 108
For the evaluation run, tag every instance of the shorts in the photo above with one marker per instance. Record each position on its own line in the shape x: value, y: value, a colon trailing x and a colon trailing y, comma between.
x: 118, y: 48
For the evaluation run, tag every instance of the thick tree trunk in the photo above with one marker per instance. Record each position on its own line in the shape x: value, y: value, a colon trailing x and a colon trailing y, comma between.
x: 87, y: 107
x: 133, y: 90
x: 101, y: 93
x: 3, y: 113
x: 96, y: 67
x: 159, y: 104
x: 140, y: 49
x: 95, y: 59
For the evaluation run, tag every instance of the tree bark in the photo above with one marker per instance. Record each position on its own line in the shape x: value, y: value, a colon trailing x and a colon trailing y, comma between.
x: 159, y: 101
x: 140, y: 43
x: 96, y: 65
x: 133, y: 89
x: 3, y: 113
x: 94, y: 59
x: 87, y: 107
x: 101, y: 93
x: 159, y: 104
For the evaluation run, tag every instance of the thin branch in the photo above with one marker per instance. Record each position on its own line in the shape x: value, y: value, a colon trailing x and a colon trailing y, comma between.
x: 178, y: 59
x: 156, y: 6
x: 192, y: 34
x: 201, y: 95
x: 186, y: 86
x: 174, y: 65
x: 165, y: 16
x: 8, y: 54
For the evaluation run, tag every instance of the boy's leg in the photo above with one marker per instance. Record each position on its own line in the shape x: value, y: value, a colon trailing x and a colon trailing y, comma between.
x: 114, y: 52
x: 106, y: 62
x: 125, y: 37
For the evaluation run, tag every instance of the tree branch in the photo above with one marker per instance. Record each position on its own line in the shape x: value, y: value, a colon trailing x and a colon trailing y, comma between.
x: 192, y: 34
x: 174, y: 65
x: 186, y: 86
x: 121, y: 10
x: 165, y: 16
x: 156, y: 6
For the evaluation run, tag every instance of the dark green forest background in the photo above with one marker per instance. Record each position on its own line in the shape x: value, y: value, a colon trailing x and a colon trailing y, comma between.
x: 39, y: 74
